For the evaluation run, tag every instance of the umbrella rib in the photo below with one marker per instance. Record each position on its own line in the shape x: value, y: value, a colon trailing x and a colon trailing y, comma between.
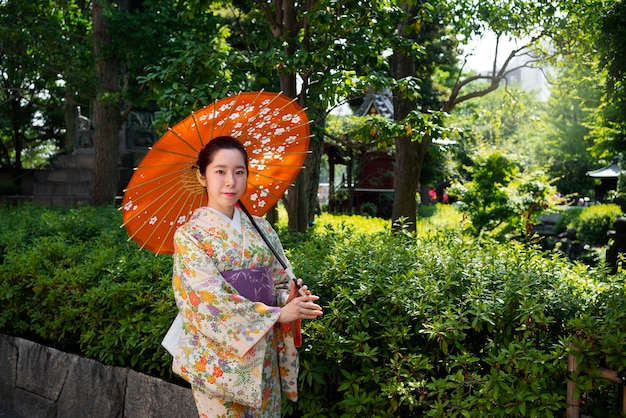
x: 230, y: 111
x: 289, y: 129
x: 155, y: 211
x: 185, y: 163
x: 179, y: 136
x: 212, y: 121
x: 195, y: 122
x: 251, y: 157
x: 269, y: 193
x: 167, y: 151
x: 253, y: 164
x: 270, y: 178
x: 253, y: 101
x: 172, y: 225
x: 149, y: 205
x: 289, y: 102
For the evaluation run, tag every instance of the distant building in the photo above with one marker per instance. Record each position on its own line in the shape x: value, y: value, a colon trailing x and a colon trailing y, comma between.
x: 371, y: 191
x: 529, y: 79
x: 608, y: 177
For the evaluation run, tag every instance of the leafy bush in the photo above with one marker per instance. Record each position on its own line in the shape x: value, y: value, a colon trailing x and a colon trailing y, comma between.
x: 415, y: 325
x: 72, y: 280
x: 592, y: 222
x: 500, y: 198
x: 595, y: 221
x: 485, y: 198
x: 438, y: 326
x: 598, y: 339
x: 369, y: 209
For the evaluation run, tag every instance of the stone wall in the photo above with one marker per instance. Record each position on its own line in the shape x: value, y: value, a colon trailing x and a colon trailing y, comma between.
x: 41, y: 382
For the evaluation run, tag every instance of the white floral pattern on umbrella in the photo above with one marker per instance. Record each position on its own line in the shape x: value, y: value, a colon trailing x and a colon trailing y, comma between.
x: 164, y: 190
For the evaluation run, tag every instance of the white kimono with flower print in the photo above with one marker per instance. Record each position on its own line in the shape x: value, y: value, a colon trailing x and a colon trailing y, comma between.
x: 225, y: 336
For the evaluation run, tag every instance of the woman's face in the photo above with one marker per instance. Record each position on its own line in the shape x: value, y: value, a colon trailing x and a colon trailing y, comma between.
x: 226, y: 178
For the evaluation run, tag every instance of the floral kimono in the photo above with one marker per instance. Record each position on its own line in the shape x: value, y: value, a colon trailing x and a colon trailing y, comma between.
x: 232, y: 350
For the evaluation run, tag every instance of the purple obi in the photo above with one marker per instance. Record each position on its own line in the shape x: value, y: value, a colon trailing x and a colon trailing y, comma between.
x: 253, y: 284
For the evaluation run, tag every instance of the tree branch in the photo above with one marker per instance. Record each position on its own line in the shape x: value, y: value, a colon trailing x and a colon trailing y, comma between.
x: 494, y: 78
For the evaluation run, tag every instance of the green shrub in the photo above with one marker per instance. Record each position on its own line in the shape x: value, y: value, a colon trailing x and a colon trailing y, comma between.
x: 500, y: 198
x: 598, y: 339
x: 592, y: 222
x: 71, y: 280
x: 595, y: 221
x: 438, y: 326
x: 568, y: 218
x: 369, y: 209
x: 430, y: 324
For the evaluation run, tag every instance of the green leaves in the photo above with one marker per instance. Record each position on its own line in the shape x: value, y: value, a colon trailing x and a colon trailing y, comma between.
x: 500, y: 198
x: 440, y: 326
x: 73, y: 281
x: 434, y: 324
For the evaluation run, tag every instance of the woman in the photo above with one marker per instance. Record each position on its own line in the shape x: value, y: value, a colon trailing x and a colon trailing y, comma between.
x: 237, y: 347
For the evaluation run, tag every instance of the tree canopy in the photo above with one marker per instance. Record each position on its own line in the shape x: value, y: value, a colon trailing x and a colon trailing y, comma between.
x: 111, y: 56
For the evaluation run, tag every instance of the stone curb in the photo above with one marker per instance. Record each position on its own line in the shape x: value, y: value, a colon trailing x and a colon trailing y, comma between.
x: 42, y: 382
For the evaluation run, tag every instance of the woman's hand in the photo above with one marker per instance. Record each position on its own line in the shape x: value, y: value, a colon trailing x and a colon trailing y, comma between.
x: 300, y: 305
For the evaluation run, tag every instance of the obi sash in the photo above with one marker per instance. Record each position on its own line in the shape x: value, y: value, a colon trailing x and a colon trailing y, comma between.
x: 255, y: 284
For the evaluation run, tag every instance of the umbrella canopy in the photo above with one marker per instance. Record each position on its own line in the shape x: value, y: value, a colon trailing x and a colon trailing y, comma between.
x: 164, y: 190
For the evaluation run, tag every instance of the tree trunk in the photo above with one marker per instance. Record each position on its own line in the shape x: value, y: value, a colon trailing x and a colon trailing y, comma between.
x: 17, y: 136
x: 297, y: 201
x: 283, y: 20
x: 407, y: 173
x: 316, y: 147
x: 295, y: 198
x: 106, y: 111
x: 70, y: 115
x: 410, y: 154
x: 408, y: 166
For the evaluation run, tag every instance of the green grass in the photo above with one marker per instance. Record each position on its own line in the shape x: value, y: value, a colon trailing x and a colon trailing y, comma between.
x: 432, y: 218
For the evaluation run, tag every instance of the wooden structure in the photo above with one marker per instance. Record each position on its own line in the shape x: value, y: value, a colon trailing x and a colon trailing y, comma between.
x: 608, y: 179
x: 573, y: 402
x: 373, y: 186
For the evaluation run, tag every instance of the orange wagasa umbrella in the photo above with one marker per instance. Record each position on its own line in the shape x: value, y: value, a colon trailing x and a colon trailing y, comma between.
x: 164, y: 191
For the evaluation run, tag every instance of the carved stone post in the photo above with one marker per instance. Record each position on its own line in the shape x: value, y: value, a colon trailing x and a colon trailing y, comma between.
x: 618, y: 235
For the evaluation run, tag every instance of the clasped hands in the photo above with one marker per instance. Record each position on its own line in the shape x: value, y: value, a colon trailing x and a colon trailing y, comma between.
x: 300, y: 304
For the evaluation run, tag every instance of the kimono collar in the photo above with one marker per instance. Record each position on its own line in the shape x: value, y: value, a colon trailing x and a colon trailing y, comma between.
x: 235, y: 222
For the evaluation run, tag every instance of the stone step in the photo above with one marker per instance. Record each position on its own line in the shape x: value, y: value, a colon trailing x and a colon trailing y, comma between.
x: 81, y: 189
x: 61, y: 201
x: 64, y: 175
x: 80, y: 159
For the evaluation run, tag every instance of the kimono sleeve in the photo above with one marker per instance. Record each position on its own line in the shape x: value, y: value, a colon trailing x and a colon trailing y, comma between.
x: 208, y: 303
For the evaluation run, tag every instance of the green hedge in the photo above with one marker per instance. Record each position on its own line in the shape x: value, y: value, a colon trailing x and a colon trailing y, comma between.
x: 592, y: 222
x: 73, y: 281
x: 595, y: 221
x: 442, y: 326
x: 435, y: 325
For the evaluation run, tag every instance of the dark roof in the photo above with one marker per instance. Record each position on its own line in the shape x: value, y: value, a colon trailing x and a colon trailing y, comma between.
x: 381, y: 101
x: 610, y: 171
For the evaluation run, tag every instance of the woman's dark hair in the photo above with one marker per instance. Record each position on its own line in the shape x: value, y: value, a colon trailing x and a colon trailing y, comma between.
x: 219, y: 143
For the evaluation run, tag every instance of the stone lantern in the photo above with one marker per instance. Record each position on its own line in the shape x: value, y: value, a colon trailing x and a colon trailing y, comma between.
x: 618, y: 235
